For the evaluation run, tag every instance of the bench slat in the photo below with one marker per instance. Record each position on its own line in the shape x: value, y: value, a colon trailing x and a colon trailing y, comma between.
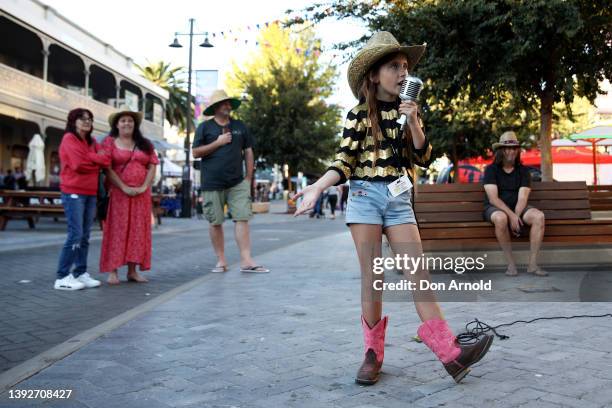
x: 487, y: 232
x: 478, y: 207
x: 470, y: 187
x: 491, y: 244
x: 478, y: 197
x: 426, y: 217
x: 11, y: 210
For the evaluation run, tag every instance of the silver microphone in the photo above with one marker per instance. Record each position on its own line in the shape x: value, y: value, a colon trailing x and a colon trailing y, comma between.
x: 410, y: 91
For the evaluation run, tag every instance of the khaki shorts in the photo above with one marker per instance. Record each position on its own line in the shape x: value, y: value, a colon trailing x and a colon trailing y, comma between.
x: 237, y: 198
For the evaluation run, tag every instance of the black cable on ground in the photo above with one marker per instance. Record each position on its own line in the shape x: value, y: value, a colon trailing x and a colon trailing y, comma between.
x: 476, y: 328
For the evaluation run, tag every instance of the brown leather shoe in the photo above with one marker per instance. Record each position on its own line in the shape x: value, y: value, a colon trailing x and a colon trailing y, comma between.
x: 470, y: 355
x: 369, y: 372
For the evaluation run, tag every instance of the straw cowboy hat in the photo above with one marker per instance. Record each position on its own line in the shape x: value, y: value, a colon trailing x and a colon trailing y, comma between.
x: 219, y: 96
x: 379, y: 45
x: 124, y: 110
x: 507, y: 139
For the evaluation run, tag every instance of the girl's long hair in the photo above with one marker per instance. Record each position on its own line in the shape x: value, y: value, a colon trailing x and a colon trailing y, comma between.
x: 367, y: 94
x: 142, y: 143
x: 75, y: 114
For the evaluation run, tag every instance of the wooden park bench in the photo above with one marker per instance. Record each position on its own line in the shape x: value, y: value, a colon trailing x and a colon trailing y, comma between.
x: 450, y: 216
x: 29, y: 205
x: 600, y: 198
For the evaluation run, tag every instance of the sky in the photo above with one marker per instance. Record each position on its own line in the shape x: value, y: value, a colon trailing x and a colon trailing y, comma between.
x: 143, y: 30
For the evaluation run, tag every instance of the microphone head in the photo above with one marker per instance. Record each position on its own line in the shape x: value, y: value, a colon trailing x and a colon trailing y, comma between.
x: 411, y: 89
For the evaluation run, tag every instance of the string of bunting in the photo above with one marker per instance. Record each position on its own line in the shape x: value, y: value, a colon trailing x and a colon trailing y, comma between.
x: 243, y: 35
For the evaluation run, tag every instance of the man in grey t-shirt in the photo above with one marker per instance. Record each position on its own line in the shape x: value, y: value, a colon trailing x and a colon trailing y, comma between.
x: 223, y: 143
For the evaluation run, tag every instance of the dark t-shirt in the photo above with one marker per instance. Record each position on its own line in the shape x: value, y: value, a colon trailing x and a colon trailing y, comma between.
x: 223, y: 168
x: 508, y: 184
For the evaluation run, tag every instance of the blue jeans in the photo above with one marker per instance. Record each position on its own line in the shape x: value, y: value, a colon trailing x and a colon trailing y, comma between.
x: 80, y: 211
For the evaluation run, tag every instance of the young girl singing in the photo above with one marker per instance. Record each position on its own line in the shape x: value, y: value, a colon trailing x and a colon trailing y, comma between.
x: 377, y: 159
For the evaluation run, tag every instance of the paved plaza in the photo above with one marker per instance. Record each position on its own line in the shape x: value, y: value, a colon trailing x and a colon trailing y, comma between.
x: 291, y: 338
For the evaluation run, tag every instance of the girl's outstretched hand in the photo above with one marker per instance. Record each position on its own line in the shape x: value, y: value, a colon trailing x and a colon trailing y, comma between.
x: 309, y: 195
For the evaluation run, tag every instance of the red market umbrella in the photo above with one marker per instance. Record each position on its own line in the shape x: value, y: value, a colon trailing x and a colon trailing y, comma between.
x: 594, y: 136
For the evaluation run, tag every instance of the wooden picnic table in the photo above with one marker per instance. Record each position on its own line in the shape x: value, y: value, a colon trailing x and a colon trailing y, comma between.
x: 29, y: 205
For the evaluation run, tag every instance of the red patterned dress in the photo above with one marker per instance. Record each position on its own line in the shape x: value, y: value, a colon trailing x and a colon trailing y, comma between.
x: 127, y: 229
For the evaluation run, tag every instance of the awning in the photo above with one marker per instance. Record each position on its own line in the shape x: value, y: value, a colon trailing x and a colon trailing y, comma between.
x: 171, y: 169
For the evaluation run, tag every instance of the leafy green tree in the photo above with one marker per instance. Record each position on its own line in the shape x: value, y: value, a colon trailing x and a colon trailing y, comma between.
x: 167, y: 77
x: 285, y: 85
x: 524, y: 55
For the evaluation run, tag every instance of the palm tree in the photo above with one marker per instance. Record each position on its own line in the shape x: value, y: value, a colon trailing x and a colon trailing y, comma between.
x: 166, y: 77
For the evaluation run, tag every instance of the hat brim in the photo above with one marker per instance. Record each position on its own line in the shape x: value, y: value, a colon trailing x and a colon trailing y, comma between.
x: 114, y: 117
x: 498, y: 145
x: 367, y: 57
x: 210, y: 111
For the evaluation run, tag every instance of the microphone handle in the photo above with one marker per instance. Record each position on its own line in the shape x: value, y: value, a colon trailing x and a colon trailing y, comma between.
x: 402, y: 122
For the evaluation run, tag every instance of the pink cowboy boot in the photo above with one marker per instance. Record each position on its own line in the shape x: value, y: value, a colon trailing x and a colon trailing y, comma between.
x: 374, y: 339
x: 456, y: 358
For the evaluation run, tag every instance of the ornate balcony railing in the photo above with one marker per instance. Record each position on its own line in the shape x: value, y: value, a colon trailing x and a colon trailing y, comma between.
x: 38, y: 95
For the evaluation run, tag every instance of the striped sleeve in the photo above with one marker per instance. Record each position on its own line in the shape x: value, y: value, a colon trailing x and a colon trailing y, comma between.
x: 345, y: 160
x: 422, y: 157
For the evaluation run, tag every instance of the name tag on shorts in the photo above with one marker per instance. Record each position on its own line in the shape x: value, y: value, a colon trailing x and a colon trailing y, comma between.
x: 399, y: 186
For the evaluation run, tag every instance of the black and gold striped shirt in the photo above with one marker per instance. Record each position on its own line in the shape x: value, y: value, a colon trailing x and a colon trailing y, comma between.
x: 357, y: 150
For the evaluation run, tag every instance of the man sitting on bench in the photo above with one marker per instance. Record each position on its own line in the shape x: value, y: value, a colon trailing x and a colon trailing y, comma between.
x: 507, y: 185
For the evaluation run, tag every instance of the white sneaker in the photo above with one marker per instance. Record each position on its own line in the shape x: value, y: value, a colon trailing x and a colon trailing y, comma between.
x: 88, y: 281
x: 68, y: 283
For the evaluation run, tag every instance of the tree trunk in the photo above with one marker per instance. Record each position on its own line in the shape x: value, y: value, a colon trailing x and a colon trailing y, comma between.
x: 546, y: 108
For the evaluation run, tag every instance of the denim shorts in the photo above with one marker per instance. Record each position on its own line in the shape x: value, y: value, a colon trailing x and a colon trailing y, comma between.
x: 371, y: 202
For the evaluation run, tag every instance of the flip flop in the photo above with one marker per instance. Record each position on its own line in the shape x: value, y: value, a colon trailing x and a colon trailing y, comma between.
x: 254, y: 269
x: 538, y: 272
x: 508, y: 273
x: 219, y: 269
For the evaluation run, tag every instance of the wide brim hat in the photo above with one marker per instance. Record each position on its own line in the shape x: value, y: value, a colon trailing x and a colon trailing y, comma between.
x: 125, y: 111
x: 379, y: 45
x: 507, y: 139
x: 217, y: 97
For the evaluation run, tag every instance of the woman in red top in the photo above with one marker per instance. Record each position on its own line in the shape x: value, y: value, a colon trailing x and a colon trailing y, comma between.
x: 81, y: 159
x: 127, y: 229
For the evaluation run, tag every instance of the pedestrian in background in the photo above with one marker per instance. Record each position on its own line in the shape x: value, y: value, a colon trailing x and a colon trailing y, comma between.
x: 332, y: 199
x: 127, y: 229
x: 81, y: 160
x: 20, y: 179
x: 344, y: 196
x: 9, y: 180
x: 224, y: 144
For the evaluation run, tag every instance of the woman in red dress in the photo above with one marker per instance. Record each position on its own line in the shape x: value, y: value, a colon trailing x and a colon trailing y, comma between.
x: 127, y: 229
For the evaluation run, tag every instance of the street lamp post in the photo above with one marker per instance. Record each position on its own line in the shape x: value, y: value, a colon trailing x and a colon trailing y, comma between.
x: 186, y: 204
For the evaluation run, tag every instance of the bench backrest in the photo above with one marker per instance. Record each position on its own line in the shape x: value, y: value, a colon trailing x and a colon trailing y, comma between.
x: 566, y: 200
